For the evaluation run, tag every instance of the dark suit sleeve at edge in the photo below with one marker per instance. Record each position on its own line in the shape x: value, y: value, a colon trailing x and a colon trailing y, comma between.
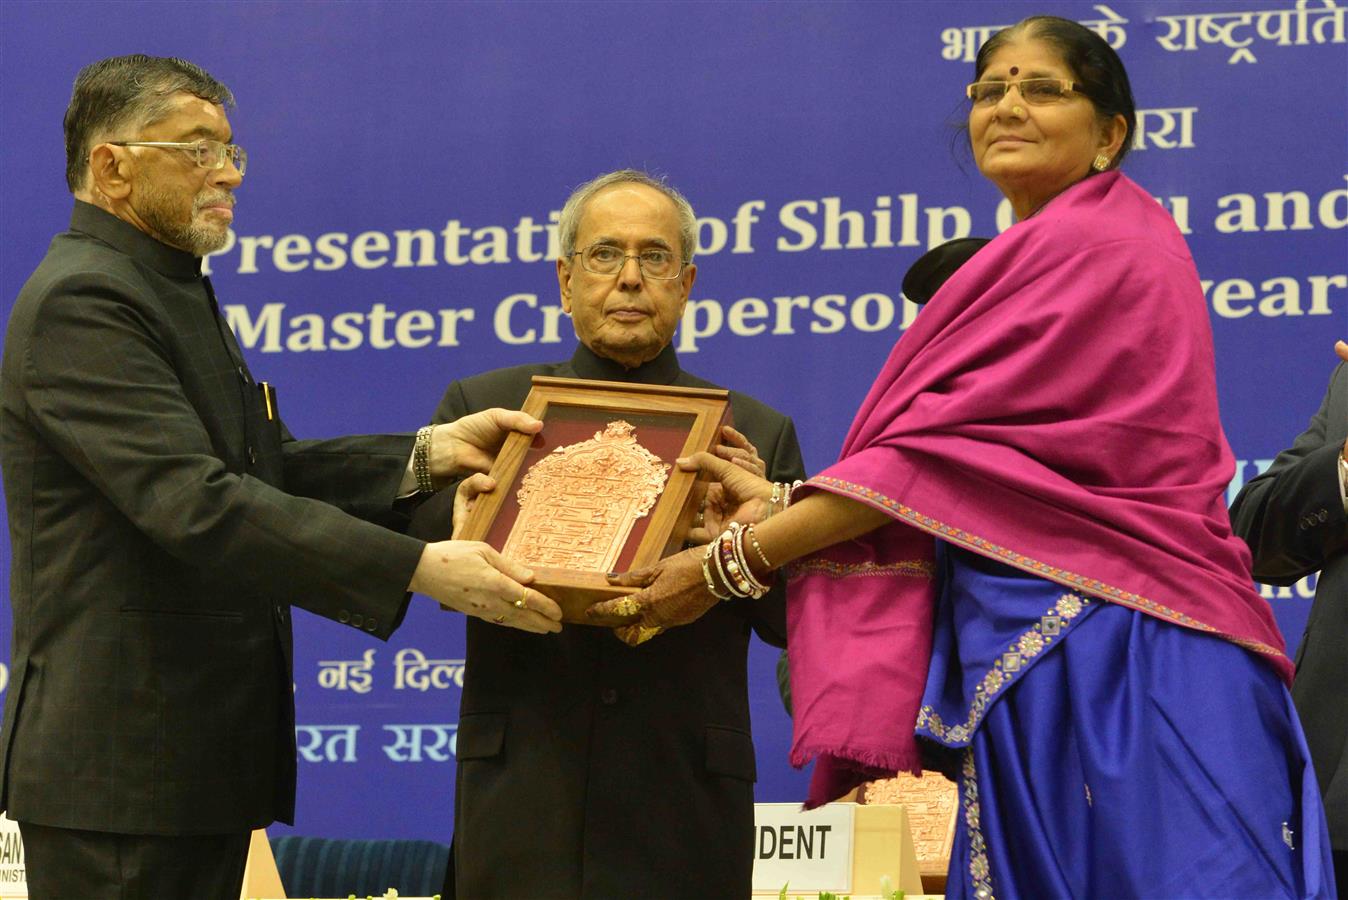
x: 1279, y: 513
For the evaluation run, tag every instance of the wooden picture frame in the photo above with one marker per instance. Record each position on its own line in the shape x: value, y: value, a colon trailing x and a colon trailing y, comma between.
x: 669, y: 422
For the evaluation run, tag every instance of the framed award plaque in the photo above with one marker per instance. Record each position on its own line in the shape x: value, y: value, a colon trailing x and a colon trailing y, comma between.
x: 597, y: 490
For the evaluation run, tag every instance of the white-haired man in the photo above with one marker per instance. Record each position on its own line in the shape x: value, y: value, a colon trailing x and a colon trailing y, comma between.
x: 589, y: 768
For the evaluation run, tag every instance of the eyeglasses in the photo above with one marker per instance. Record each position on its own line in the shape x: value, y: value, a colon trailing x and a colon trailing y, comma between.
x: 1034, y: 91
x: 654, y: 262
x: 208, y: 154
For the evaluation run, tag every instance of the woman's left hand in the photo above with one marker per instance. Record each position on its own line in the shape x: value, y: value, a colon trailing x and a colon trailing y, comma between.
x: 674, y: 594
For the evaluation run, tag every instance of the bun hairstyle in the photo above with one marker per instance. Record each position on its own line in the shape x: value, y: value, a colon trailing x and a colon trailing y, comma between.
x: 934, y: 268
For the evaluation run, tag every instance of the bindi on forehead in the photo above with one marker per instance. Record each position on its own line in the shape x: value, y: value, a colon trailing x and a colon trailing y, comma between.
x: 1015, y: 70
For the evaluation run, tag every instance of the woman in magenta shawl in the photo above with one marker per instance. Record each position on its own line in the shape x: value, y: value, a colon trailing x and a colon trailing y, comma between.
x: 1021, y: 570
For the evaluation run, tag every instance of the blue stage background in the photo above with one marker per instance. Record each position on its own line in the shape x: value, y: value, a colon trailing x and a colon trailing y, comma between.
x: 819, y: 142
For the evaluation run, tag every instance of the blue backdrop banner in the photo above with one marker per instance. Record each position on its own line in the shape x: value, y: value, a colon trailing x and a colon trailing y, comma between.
x: 408, y: 161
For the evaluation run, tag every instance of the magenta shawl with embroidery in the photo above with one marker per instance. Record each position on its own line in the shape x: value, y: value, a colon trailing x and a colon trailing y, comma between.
x: 1054, y: 407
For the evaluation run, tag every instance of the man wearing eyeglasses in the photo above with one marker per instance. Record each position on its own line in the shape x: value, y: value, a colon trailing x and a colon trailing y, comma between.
x: 163, y: 520
x: 588, y: 768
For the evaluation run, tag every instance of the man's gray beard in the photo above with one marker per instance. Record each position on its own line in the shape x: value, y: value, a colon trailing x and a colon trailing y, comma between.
x: 158, y: 209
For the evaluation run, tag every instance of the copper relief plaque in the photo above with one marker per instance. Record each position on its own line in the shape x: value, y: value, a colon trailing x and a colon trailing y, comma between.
x: 579, y: 503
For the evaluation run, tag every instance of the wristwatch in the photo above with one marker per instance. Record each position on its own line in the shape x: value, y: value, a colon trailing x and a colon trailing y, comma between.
x: 421, y: 459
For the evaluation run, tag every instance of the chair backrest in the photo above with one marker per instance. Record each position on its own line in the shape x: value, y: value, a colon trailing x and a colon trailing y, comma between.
x: 329, y: 867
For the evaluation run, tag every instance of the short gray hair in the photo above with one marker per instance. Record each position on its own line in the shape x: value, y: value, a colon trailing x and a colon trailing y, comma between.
x: 130, y: 92
x: 569, y: 224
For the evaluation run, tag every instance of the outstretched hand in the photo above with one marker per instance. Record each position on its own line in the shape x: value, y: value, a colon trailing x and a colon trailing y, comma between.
x: 470, y: 444
x: 474, y: 579
x: 735, y: 494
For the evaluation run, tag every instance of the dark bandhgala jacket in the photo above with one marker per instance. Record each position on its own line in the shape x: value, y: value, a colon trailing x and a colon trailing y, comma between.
x: 590, y: 769
x: 162, y: 523
x: 1293, y: 519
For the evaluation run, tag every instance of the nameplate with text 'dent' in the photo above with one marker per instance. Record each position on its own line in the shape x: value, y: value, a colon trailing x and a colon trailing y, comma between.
x: 810, y: 851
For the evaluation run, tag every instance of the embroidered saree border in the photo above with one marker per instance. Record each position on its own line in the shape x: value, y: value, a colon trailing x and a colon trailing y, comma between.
x: 912, y: 568
x: 1006, y: 669
x: 1020, y: 561
x: 980, y: 871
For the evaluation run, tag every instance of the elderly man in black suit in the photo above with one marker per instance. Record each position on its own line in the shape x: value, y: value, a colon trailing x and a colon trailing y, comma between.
x: 1295, y: 519
x: 163, y: 520
x: 589, y: 768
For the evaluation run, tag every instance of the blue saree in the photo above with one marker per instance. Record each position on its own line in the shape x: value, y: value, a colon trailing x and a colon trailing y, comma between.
x: 1176, y: 754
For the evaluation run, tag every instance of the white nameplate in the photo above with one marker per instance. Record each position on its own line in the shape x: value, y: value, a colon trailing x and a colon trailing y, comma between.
x: 810, y: 851
x: 13, y: 874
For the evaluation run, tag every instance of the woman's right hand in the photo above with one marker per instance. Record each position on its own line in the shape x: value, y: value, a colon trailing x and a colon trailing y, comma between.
x: 734, y: 495
x: 673, y: 593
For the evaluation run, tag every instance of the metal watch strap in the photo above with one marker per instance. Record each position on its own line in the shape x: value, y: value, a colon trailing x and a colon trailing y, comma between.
x: 421, y: 459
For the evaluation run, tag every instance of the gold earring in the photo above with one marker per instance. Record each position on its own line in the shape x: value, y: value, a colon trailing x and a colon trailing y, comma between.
x: 1100, y: 163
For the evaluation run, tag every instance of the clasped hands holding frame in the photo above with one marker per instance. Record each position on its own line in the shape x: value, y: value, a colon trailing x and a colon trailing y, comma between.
x: 571, y: 561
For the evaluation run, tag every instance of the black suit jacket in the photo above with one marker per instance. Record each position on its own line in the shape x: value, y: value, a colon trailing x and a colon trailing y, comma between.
x: 155, y: 556
x: 1293, y: 519
x: 591, y: 769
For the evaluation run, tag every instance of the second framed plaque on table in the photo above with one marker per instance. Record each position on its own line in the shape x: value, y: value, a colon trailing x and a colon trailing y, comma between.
x: 597, y: 490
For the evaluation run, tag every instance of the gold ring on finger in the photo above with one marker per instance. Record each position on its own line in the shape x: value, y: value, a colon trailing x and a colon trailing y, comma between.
x: 627, y: 607
x: 520, y: 603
